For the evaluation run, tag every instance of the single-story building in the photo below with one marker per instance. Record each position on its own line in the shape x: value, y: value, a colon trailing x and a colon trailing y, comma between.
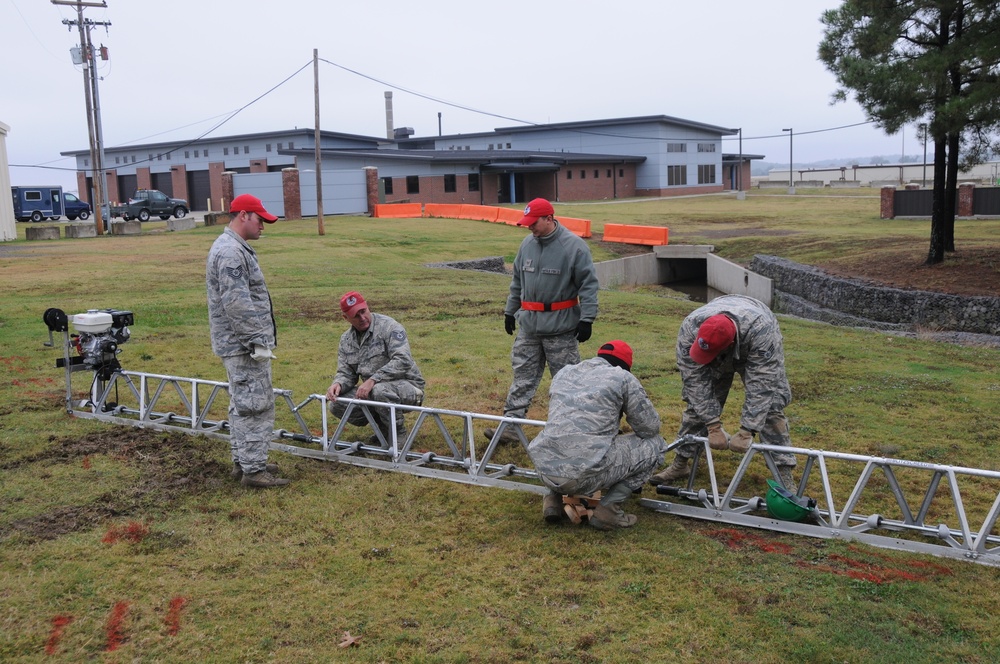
x: 598, y: 159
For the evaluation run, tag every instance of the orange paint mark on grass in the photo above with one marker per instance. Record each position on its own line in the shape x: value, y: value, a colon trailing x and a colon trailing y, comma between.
x: 58, y: 627
x: 173, y: 619
x: 86, y: 463
x: 115, y: 626
x: 133, y: 532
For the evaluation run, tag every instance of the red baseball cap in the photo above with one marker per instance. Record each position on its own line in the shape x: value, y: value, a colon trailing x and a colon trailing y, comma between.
x: 248, y: 203
x: 535, y: 210
x: 350, y: 302
x: 617, y: 349
x: 715, y: 335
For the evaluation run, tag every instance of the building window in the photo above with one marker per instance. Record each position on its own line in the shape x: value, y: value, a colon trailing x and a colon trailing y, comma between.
x: 133, y: 159
x: 583, y: 174
x: 449, y: 184
x: 473, y: 181
x: 597, y: 174
x: 609, y: 172
x: 491, y: 147
x: 291, y: 145
x: 149, y: 157
x: 267, y: 148
x: 225, y: 151
x: 676, y: 175
x: 387, y: 186
x: 677, y: 147
x: 246, y: 149
x: 621, y: 172
x: 279, y: 146
x: 569, y: 174
x: 706, y: 147
x: 412, y: 184
x: 508, y: 146
x: 86, y: 162
x: 168, y: 155
x: 159, y: 157
x: 706, y: 174
x: 186, y: 154
x: 118, y: 160
x: 236, y: 150
x: 204, y: 153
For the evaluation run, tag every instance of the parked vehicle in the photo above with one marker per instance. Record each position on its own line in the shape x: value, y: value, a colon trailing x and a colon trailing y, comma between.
x: 41, y: 203
x: 145, y: 203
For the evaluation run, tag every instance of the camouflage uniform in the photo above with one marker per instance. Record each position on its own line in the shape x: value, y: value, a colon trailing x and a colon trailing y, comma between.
x: 580, y: 450
x: 549, y: 269
x: 381, y: 352
x: 756, y: 355
x: 240, y: 316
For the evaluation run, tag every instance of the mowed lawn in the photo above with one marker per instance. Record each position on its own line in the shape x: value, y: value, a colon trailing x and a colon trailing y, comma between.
x: 122, y: 544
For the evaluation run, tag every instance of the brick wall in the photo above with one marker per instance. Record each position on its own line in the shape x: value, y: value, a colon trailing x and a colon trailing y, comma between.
x: 291, y: 193
x: 887, y: 203
x: 178, y: 180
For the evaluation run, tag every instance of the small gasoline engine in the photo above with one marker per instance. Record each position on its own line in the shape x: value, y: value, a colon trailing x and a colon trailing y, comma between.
x: 100, y: 332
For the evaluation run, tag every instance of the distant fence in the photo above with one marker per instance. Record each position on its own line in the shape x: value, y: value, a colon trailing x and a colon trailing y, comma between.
x: 971, y: 201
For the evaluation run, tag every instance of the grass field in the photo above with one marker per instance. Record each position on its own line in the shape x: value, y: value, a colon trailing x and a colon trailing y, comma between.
x: 120, y: 544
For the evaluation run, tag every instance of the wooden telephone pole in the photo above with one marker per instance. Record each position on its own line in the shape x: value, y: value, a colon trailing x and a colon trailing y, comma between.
x: 93, y: 103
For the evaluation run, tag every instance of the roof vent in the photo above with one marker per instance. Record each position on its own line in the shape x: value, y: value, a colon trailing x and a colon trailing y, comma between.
x: 402, y: 132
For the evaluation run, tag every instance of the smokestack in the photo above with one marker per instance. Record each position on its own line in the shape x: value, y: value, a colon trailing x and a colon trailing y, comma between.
x: 388, y: 115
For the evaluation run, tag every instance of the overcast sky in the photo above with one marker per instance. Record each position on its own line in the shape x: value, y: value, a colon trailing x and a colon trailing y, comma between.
x: 180, y: 69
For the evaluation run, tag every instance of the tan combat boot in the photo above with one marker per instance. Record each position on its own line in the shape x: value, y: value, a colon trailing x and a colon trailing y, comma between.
x: 263, y: 480
x: 508, y: 435
x: 552, y: 508
x: 237, y: 472
x: 609, y: 517
x: 677, y: 470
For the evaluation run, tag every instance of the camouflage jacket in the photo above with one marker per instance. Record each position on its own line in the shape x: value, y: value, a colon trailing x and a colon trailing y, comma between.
x: 550, y: 269
x: 756, y: 355
x: 240, y: 314
x: 586, y: 404
x: 382, y: 352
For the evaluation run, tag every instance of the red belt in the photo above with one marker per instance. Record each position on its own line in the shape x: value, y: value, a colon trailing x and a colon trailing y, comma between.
x: 555, y: 306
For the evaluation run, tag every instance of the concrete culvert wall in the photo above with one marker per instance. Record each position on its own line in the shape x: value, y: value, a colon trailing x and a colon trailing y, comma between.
x: 806, y: 291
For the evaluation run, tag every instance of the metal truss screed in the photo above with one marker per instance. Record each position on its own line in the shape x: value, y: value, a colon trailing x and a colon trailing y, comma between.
x: 892, y: 503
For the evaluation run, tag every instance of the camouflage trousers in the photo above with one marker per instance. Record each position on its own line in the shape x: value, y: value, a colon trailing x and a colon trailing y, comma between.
x: 528, y: 357
x: 627, y: 465
x: 774, y: 432
x: 392, y: 391
x: 251, y: 411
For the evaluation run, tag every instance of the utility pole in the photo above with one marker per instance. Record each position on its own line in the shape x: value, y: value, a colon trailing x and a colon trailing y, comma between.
x: 92, y: 101
x: 316, y: 140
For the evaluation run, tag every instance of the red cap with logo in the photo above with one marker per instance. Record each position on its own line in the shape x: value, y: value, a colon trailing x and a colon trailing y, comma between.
x: 535, y: 210
x: 350, y: 302
x: 619, y: 350
x: 715, y: 335
x: 248, y: 203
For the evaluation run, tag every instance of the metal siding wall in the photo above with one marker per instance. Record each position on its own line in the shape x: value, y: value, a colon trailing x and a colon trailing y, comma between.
x: 265, y: 186
x: 986, y: 201
x: 344, y: 192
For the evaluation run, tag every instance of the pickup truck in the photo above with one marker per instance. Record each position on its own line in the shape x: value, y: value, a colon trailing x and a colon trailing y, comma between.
x: 144, y: 203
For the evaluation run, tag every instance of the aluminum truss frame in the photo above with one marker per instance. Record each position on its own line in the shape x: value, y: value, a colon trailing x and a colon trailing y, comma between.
x: 136, y: 399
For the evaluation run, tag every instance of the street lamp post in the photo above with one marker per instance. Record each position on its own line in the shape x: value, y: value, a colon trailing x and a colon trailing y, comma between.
x: 923, y: 133
x: 791, y: 184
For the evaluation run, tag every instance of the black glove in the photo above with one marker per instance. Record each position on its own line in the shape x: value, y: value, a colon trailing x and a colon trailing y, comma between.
x: 583, y: 330
x: 508, y: 323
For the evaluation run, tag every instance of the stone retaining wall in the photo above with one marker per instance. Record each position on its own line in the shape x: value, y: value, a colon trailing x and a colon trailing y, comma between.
x: 806, y: 291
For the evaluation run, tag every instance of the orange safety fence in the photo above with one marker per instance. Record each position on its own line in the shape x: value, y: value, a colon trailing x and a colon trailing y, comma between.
x: 398, y: 210
x: 575, y: 226
x: 630, y: 234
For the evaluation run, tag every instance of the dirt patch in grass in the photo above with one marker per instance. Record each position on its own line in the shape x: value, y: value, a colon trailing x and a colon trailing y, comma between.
x: 171, y: 466
x: 972, y: 271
